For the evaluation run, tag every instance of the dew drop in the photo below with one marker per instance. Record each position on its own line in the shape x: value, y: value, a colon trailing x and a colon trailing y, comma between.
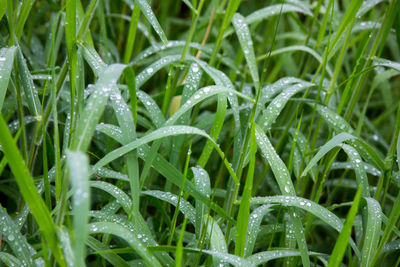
x: 11, y: 238
x: 287, y: 189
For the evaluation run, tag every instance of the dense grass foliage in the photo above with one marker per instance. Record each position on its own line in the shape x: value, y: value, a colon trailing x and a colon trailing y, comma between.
x: 199, y: 133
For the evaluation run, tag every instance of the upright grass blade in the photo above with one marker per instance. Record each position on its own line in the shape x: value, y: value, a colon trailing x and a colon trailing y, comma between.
x: 132, y: 33
x: 202, y: 182
x: 79, y: 176
x: 29, y: 191
x: 253, y: 228
x: 94, y: 107
x: 66, y: 244
x: 217, y: 240
x: 284, y: 181
x: 151, y: 18
x: 32, y: 98
x: 23, y: 16
x: 3, y: 9
x: 6, y: 63
x: 246, y: 43
x: 244, y: 208
x: 372, y: 231
x: 70, y: 38
x: 341, y: 243
x: 361, y: 175
x: 276, y: 106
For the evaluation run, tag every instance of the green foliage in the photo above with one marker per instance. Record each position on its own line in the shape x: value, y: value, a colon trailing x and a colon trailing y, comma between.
x: 199, y: 133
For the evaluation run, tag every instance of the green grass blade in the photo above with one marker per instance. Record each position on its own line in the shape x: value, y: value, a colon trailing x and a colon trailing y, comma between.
x: 157, y: 134
x: 337, y: 140
x: 9, y: 259
x: 92, y: 58
x: 79, y: 176
x: 23, y: 16
x: 215, y: 129
x: 6, y: 64
x: 202, y: 183
x: 246, y: 43
x: 361, y: 175
x: 153, y: 109
x: 112, y: 258
x: 336, y: 257
x: 13, y: 237
x: 276, y: 106
x: 3, y: 9
x: 133, y: 24
x: 170, y: 173
x: 277, y: 165
x: 128, y: 236
x: 95, y: 106
x: 184, y: 206
x: 151, y: 18
x: 324, y: 214
x: 284, y: 181
x: 200, y: 95
x: 266, y: 256
x: 216, y: 237
x: 244, y: 208
x: 253, y: 228
x: 29, y: 191
x: 29, y: 88
x: 372, y: 231
x: 66, y: 244
x: 273, y: 10
x: 123, y: 199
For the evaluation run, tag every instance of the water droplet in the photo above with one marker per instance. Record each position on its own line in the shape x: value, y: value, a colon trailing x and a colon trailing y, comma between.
x: 287, y: 190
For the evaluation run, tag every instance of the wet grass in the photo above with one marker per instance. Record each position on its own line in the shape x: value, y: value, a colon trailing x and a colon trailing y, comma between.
x: 199, y: 133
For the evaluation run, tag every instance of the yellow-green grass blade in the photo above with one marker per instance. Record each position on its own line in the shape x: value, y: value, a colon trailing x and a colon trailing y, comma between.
x: 29, y: 191
x: 336, y: 257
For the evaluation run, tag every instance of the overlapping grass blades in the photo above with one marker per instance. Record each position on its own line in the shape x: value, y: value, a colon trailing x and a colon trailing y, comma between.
x: 199, y: 133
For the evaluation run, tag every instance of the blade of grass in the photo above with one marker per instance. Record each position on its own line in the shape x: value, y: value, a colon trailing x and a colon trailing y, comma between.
x: 151, y: 18
x: 6, y: 64
x: 284, y: 181
x: 78, y: 170
x: 29, y: 191
x: 336, y: 257
x: 124, y: 233
x: 372, y: 231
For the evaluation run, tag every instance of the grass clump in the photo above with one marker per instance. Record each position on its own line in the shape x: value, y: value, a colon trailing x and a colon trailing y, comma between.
x: 201, y: 133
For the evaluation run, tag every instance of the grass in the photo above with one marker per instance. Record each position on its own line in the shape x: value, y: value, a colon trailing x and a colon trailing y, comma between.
x: 199, y: 133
